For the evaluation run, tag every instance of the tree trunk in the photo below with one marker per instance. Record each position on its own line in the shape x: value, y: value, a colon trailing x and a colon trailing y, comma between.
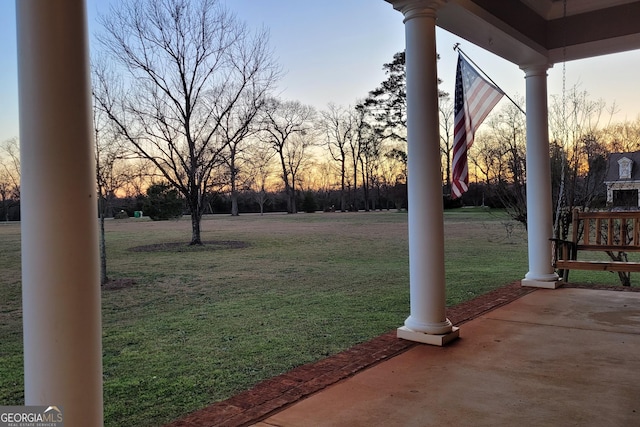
x: 624, y: 276
x: 103, y: 247
x: 292, y: 201
x: 287, y: 193
x: 5, y: 207
x: 261, y: 199
x: 292, y: 188
x: 356, y: 205
x: 195, y: 228
x: 365, y: 187
x: 234, y: 178
x: 343, y: 196
x: 234, y: 203
x: 196, y: 216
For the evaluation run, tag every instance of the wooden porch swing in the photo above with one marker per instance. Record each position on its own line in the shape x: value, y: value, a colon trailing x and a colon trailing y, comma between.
x: 612, y: 232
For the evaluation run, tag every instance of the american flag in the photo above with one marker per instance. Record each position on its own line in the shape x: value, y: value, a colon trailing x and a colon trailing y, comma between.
x: 475, y: 98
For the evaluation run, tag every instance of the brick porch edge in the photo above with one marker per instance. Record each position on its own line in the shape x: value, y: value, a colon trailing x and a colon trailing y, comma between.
x: 274, y: 394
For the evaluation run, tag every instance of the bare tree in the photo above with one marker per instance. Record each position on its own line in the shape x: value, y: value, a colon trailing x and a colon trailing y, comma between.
x: 357, y: 145
x: 260, y: 166
x: 239, y: 125
x: 445, y: 105
x: 574, y: 122
x: 363, y: 152
x: 370, y: 142
x: 288, y: 129
x: 489, y: 159
x: 186, y: 67
x: 141, y: 173
x: 499, y: 154
x: 9, y: 174
x: 511, y: 132
x: 111, y: 175
x: 622, y: 137
x: 338, y: 128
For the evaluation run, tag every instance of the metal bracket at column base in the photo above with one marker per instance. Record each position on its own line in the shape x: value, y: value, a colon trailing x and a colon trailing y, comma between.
x: 532, y: 283
x: 439, y: 340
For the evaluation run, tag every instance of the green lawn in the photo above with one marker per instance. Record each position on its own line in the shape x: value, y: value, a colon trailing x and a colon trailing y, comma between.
x: 198, y: 326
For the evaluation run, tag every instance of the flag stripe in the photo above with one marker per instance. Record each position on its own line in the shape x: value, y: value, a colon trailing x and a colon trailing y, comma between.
x: 482, y: 100
x: 474, y: 99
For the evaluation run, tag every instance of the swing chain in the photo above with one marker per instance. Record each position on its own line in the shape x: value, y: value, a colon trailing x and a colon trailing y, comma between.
x: 561, y: 193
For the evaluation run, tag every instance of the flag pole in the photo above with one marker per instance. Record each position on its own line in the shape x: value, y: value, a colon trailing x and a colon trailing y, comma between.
x: 456, y: 47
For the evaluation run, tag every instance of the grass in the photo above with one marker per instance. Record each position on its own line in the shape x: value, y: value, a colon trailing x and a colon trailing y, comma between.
x: 198, y: 326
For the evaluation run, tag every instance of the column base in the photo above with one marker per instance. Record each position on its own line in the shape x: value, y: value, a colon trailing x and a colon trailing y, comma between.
x: 431, y: 339
x: 546, y: 284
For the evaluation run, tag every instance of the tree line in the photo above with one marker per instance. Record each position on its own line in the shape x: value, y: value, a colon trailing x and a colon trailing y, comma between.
x: 184, y: 96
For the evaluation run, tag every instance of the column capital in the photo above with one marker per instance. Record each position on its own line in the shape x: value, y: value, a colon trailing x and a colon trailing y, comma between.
x: 415, y: 8
x: 531, y: 70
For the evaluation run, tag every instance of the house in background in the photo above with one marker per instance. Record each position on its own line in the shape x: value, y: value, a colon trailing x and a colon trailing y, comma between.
x: 623, y: 180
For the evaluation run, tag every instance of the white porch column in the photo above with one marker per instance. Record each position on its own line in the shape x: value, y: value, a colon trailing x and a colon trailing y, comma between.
x: 539, y: 203
x: 60, y: 274
x: 427, y: 322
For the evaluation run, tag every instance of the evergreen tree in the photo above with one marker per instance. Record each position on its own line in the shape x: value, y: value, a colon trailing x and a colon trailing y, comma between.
x: 387, y: 104
x: 309, y: 202
x: 163, y: 203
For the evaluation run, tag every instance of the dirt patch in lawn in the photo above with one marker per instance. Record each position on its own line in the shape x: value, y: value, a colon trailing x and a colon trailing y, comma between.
x: 115, y: 284
x: 212, y: 245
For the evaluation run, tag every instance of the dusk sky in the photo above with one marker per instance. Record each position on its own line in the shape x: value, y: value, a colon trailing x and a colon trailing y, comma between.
x: 333, y: 51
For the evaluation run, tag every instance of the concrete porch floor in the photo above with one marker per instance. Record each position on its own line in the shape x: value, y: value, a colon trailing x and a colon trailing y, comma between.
x: 563, y: 357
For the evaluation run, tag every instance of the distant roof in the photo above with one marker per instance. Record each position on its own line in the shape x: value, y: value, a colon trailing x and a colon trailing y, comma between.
x: 613, y: 172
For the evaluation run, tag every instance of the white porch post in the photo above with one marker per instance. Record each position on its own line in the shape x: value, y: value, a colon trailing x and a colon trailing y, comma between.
x: 539, y: 203
x: 427, y: 322
x: 60, y: 274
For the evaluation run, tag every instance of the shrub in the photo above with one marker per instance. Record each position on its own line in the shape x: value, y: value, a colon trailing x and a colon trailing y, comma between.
x: 121, y: 215
x: 309, y: 203
x: 162, y: 203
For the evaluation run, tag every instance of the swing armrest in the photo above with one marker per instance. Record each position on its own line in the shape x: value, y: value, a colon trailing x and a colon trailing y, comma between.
x: 563, y: 250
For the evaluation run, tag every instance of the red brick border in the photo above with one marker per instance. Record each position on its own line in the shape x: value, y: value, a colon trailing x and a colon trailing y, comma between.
x: 274, y: 394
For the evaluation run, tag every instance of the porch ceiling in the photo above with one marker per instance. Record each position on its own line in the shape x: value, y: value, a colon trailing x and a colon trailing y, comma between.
x: 528, y: 32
